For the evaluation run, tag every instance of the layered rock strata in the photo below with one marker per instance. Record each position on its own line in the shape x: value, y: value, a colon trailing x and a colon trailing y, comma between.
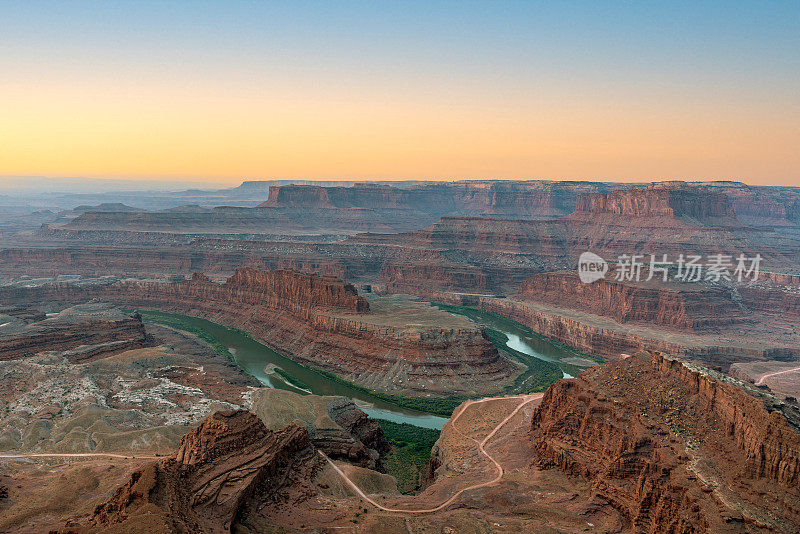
x: 220, y: 469
x: 86, y: 331
x: 321, y: 322
x: 605, y: 337
x: 690, y: 307
x: 335, y: 425
x: 674, y: 448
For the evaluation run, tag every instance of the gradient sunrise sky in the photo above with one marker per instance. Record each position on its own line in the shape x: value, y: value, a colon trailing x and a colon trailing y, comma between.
x: 225, y: 91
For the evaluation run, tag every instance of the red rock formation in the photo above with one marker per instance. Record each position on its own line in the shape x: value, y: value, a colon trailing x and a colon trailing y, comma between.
x: 680, y: 306
x: 318, y: 321
x: 290, y: 289
x: 86, y: 331
x: 406, y: 277
x: 772, y: 301
x: 222, y: 466
x: 668, y: 200
x: 777, y: 207
x: 672, y: 220
x: 497, y: 254
x: 673, y: 448
x: 523, y: 200
x: 606, y: 338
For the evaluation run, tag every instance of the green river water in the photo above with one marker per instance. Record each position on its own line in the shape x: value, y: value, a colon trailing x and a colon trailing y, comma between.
x: 259, y: 360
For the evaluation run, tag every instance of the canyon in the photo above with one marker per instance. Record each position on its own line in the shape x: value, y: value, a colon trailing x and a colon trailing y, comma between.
x: 683, y: 306
x: 321, y: 322
x: 646, y: 444
x: 682, y: 415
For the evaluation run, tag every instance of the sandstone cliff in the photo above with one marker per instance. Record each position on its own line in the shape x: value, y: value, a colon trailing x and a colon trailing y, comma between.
x: 680, y: 306
x: 86, y: 331
x: 220, y: 468
x: 522, y: 199
x: 320, y: 322
x: 673, y: 447
x: 677, y: 201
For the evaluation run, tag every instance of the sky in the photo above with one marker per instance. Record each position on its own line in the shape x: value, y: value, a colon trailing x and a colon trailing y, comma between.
x: 220, y: 92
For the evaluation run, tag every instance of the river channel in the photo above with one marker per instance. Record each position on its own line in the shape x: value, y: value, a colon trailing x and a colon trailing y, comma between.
x: 259, y: 360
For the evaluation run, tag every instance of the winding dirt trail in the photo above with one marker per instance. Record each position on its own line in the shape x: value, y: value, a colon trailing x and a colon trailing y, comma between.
x: 79, y: 455
x: 764, y: 377
x: 525, y: 399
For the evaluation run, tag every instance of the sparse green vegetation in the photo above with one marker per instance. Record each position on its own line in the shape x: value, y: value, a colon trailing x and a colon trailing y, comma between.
x: 411, y: 451
x: 419, y: 439
x: 539, y: 375
x: 174, y: 321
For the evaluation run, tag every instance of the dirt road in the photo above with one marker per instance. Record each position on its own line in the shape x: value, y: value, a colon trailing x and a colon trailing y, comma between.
x: 764, y: 377
x: 524, y: 399
x: 79, y: 455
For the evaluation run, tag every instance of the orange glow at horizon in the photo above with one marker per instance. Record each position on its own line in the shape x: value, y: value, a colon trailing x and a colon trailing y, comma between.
x: 414, y: 90
x: 228, y: 132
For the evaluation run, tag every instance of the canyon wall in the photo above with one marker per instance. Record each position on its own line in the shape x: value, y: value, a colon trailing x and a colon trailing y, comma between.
x: 772, y: 301
x: 512, y: 199
x: 603, y: 337
x: 673, y: 448
x: 318, y: 321
x: 86, y: 331
x: 679, y: 306
x: 669, y: 200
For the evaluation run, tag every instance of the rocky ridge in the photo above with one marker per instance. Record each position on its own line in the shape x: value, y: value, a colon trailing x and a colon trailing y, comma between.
x: 674, y: 447
x: 320, y: 322
x: 691, y: 307
x: 230, y: 461
x: 87, y: 331
x: 335, y: 425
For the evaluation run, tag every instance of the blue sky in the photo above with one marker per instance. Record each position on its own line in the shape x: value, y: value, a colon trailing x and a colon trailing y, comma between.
x: 728, y: 65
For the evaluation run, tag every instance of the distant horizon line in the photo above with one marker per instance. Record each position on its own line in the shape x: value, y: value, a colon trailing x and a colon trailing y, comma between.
x: 235, y: 182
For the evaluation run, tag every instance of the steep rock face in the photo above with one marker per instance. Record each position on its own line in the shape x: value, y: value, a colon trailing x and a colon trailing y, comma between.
x: 523, y: 200
x: 673, y: 448
x: 771, y: 300
x: 319, y: 321
x: 299, y: 293
x: 87, y: 331
x: 777, y: 207
x: 358, y: 196
x: 667, y: 220
x: 668, y: 200
x: 335, y: 425
x: 218, y: 470
x: 492, y: 253
x: 290, y: 289
x: 404, y: 277
x: 683, y: 306
x: 358, y: 424
x: 603, y: 337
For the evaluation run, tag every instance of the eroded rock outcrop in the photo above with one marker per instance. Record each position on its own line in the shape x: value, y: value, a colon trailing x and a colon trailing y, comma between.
x: 220, y: 468
x: 321, y: 322
x: 671, y: 200
x: 673, y: 447
x: 86, y: 331
x: 335, y: 425
x: 680, y: 306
